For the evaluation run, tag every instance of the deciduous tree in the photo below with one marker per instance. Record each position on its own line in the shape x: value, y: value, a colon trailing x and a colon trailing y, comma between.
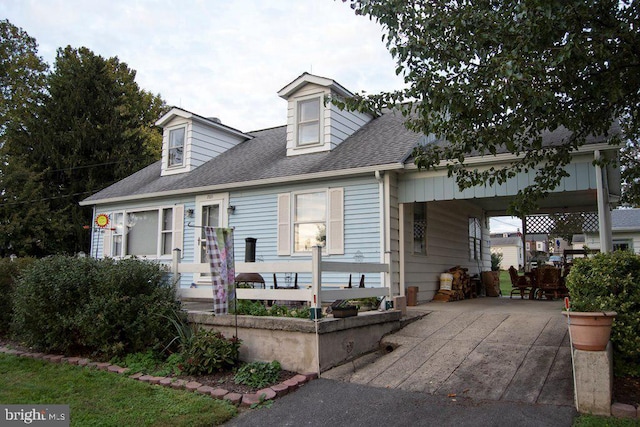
x: 493, y: 76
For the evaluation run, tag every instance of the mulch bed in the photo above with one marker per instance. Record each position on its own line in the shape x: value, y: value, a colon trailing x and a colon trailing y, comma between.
x: 626, y: 390
x: 225, y: 381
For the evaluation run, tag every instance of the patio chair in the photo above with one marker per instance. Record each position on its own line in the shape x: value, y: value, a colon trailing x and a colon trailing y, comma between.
x: 519, y: 284
x: 549, y: 283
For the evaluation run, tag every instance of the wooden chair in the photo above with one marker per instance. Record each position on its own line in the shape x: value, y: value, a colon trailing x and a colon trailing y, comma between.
x: 549, y: 283
x: 519, y: 284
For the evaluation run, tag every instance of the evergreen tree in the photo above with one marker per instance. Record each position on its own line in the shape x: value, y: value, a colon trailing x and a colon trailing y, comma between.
x: 91, y: 127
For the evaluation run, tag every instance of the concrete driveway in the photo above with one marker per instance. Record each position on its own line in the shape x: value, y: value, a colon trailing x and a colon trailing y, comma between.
x: 497, y: 349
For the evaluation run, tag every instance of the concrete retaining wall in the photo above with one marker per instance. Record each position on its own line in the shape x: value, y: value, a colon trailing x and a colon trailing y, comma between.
x: 296, y: 343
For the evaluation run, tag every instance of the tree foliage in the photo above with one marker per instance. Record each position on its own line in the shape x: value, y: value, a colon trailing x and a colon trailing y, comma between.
x: 494, y: 76
x: 92, y: 126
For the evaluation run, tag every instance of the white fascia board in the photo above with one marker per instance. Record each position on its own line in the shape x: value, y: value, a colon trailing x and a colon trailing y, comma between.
x: 179, y: 112
x: 306, y: 78
x: 171, y: 114
x: 246, y: 184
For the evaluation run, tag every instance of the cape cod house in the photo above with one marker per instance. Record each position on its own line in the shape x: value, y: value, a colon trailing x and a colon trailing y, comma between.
x: 343, y: 180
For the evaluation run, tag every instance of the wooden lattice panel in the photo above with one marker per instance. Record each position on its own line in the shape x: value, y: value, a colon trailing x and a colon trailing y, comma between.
x: 563, y: 223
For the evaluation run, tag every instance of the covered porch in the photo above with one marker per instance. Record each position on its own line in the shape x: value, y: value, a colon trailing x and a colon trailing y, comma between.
x: 583, y: 200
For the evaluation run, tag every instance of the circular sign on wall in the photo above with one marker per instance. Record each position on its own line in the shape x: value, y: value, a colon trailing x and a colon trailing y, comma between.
x: 102, y: 220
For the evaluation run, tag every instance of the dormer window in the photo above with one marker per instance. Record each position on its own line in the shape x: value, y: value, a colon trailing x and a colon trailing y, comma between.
x: 309, y: 122
x: 176, y: 147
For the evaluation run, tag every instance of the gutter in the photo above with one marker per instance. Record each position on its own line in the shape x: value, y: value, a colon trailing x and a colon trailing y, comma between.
x: 246, y: 184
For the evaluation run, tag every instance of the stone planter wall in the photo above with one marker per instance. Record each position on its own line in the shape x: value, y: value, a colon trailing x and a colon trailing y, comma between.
x: 296, y: 343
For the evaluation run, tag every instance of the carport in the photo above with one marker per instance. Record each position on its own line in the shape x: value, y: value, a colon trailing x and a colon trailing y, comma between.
x: 586, y: 196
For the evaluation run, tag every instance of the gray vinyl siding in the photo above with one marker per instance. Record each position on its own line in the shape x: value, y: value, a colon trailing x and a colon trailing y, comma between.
x: 207, y: 143
x: 447, y: 245
x: 202, y: 143
x: 339, y: 125
x: 423, y: 187
x: 256, y: 216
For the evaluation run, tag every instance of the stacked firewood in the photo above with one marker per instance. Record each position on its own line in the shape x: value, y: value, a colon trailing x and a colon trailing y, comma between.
x: 460, y: 286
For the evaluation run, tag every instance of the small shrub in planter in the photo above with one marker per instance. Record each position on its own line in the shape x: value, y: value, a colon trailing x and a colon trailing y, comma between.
x: 611, y: 282
x: 258, y: 374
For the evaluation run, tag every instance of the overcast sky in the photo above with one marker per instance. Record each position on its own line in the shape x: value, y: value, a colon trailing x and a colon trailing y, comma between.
x: 221, y: 58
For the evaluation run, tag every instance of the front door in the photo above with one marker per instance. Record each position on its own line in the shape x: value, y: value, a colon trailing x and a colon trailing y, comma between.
x: 210, y: 213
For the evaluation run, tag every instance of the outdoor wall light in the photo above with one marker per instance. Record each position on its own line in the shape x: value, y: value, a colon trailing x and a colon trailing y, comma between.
x: 190, y: 213
x: 231, y: 210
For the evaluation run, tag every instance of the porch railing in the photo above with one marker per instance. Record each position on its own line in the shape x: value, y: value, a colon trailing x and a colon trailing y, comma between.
x: 315, y: 293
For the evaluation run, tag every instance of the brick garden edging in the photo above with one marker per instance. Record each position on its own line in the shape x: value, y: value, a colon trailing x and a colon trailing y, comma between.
x: 246, y: 399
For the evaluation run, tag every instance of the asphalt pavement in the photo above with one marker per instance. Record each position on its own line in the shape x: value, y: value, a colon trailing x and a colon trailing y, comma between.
x: 483, y: 362
x: 324, y: 402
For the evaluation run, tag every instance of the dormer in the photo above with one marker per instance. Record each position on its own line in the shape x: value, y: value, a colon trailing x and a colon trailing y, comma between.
x: 314, y: 125
x: 189, y: 140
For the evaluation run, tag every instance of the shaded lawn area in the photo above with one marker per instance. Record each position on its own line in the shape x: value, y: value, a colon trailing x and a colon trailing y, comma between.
x: 103, y: 398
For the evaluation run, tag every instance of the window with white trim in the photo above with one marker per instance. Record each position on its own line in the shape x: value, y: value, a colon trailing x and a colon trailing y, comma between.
x: 142, y: 233
x: 623, y: 245
x: 475, y: 239
x: 167, y: 232
x: 151, y: 233
x: 420, y: 228
x: 309, y: 221
x: 308, y: 122
x: 176, y: 147
x: 311, y: 218
x: 118, y: 234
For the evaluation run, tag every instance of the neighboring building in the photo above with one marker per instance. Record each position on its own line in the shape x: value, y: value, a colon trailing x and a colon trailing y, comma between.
x: 625, y: 231
x: 343, y: 180
x: 510, y: 246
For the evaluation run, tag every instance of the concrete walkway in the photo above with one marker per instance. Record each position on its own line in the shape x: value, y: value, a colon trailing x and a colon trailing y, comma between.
x: 496, y: 349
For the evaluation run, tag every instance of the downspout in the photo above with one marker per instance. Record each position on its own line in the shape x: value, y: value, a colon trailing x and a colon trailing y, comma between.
x: 604, y: 212
x: 386, y: 278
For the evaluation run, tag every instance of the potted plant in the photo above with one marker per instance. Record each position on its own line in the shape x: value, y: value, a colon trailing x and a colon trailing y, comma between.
x: 594, y: 285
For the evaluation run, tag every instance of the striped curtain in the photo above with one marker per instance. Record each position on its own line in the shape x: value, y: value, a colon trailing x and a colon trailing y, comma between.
x: 221, y: 262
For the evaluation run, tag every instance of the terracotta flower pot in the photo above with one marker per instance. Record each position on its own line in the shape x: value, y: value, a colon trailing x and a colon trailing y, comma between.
x: 590, y: 331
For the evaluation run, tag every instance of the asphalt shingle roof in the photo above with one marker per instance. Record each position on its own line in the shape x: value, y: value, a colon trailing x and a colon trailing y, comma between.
x: 383, y: 141
x: 625, y: 219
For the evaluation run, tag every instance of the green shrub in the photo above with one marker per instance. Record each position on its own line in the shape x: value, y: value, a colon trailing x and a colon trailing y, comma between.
x: 104, y: 308
x: 209, y: 351
x: 611, y: 282
x: 257, y: 308
x: 258, y: 374
x: 9, y: 273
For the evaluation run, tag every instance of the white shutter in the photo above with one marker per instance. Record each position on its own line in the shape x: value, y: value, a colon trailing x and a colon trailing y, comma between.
x: 335, y: 240
x: 178, y: 228
x: 284, y: 224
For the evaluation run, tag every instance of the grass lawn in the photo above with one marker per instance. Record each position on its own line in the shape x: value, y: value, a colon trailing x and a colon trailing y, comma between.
x: 505, y: 283
x: 103, y: 398
x: 596, y: 421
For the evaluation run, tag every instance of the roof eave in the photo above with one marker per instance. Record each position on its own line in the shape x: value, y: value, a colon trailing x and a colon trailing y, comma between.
x: 245, y: 184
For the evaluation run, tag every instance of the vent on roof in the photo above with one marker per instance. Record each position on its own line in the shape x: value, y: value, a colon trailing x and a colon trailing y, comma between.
x: 215, y: 119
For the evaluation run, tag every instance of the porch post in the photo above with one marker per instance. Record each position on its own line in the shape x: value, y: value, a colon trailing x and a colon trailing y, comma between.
x: 401, y: 248
x: 174, y: 269
x: 604, y: 212
x: 316, y: 276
